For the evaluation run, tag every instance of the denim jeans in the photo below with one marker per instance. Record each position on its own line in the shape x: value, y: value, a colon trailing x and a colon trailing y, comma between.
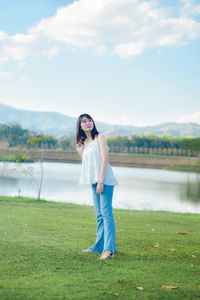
x: 105, y: 239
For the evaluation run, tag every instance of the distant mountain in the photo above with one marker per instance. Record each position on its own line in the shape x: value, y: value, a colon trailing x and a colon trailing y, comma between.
x: 59, y: 124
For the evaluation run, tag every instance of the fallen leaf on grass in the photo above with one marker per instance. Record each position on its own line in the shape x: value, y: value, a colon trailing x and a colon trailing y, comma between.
x: 140, y: 288
x: 168, y: 287
x: 58, y: 268
x: 120, y: 281
x: 111, y: 293
x: 156, y: 245
x: 197, y: 272
x: 173, y: 249
x: 181, y: 233
x: 193, y: 255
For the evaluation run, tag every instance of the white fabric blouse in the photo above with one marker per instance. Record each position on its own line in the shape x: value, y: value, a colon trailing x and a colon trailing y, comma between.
x: 91, y: 166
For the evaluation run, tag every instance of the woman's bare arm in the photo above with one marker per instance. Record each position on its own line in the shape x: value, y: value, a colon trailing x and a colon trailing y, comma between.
x: 79, y: 148
x: 104, y: 156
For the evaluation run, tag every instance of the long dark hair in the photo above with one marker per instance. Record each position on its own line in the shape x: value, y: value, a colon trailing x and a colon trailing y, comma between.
x: 80, y: 134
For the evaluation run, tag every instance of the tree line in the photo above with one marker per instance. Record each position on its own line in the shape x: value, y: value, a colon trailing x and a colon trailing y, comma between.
x: 13, y: 135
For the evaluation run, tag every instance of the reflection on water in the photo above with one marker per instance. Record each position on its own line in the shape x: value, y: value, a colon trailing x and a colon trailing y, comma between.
x: 190, y: 191
x: 139, y: 188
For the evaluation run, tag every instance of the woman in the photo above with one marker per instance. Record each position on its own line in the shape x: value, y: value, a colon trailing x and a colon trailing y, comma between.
x: 97, y: 172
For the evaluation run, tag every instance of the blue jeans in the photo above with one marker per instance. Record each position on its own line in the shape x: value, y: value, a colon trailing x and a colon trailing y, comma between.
x: 105, y: 239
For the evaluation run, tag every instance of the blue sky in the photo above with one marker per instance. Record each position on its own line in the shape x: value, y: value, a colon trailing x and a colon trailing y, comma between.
x: 122, y: 61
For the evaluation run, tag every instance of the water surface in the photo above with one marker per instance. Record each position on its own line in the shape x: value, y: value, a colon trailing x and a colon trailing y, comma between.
x: 138, y: 189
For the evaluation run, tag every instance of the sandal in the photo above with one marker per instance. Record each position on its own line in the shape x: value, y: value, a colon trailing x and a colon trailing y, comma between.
x: 111, y: 255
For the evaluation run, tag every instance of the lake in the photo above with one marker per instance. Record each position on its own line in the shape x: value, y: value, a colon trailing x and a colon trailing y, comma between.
x: 138, y: 189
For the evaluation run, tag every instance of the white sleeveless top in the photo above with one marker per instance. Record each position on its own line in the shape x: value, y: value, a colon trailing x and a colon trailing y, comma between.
x: 91, y: 166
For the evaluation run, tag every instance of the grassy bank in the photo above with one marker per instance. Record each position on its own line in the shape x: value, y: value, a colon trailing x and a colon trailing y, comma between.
x: 41, y: 257
x: 184, y: 168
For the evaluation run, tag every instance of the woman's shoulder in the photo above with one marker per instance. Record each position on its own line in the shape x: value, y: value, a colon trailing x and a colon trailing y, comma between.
x: 101, y: 136
x: 102, y: 139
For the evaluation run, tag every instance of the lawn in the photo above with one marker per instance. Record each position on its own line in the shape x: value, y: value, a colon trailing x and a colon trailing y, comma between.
x: 41, y: 256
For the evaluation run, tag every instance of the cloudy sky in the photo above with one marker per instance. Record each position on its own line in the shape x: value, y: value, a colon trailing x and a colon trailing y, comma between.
x: 122, y: 61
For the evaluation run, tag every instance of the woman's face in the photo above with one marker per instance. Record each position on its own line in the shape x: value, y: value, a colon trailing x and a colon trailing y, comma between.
x: 87, y: 124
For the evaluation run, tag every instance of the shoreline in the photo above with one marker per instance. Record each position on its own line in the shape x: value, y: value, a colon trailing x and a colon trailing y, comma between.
x: 183, y: 168
x: 25, y: 199
x: 175, y: 163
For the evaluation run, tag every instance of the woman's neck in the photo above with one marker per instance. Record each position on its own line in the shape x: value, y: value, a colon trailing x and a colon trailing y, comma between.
x: 89, y: 137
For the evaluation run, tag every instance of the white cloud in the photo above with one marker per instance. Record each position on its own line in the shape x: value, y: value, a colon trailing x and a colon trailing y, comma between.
x: 3, y: 60
x: 129, y: 119
x: 122, y: 27
x: 53, y: 52
x: 5, y: 74
x: 21, y: 65
x: 129, y: 49
x: 132, y: 120
x: 2, y: 35
x: 189, y: 8
x: 187, y: 118
x: 100, y: 50
x: 16, y: 52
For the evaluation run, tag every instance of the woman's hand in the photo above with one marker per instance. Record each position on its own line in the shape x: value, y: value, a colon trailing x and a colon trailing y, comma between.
x: 100, y: 187
x: 79, y: 147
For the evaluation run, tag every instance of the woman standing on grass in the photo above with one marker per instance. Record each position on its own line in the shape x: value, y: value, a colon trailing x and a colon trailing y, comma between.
x: 97, y: 172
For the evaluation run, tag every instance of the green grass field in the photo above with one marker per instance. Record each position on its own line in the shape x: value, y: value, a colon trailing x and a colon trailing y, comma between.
x: 41, y: 257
